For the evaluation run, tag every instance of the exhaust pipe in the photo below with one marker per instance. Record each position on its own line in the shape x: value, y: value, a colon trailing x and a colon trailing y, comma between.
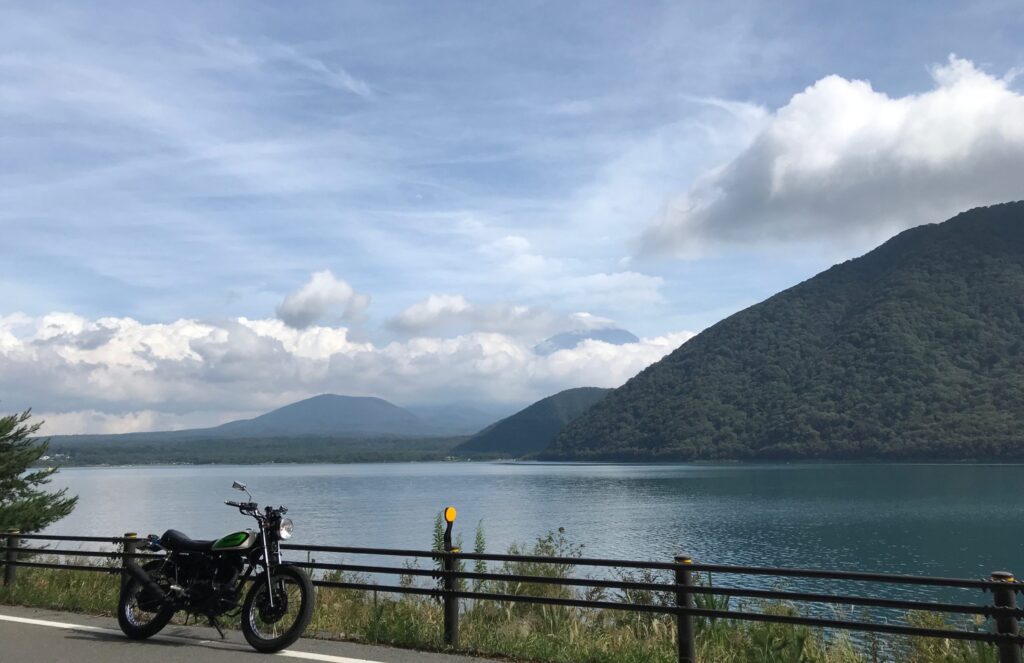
x: 139, y: 574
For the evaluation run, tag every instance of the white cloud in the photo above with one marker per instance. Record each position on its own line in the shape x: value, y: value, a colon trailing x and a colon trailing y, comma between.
x: 431, y: 312
x: 842, y: 160
x: 308, y: 343
x: 617, y: 290
x: 323, y: 295
x: 453, y: 315
x: 119, y: 375
x: 96, y: 422
x: 562, y: 282
x: 584, y: 320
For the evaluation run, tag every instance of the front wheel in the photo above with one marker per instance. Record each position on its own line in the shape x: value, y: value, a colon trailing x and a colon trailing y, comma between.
x: 270, y: 628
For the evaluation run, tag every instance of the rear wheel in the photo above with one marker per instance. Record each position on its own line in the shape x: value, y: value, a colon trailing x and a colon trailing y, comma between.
x: 269, y: 628
x: 140, y: 614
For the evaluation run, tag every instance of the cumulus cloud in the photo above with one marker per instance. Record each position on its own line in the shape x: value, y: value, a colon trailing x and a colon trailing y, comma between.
x: 843, y: 160
x: 447, y: 315
x: 323, y: 295
x: 433, y: 311
x: 120, y: 375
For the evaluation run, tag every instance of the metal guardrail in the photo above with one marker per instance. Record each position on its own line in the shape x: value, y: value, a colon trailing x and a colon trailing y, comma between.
x: 1002, y: 611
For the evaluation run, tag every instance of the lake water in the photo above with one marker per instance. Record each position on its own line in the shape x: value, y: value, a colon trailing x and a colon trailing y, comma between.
x: 948, y: 520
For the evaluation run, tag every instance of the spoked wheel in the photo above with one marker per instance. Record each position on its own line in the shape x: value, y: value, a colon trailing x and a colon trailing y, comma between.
x: 271, y: 626
x: 140, y: 614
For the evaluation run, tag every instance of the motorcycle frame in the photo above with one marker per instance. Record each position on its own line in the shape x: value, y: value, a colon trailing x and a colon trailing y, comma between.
x: 266, y: 556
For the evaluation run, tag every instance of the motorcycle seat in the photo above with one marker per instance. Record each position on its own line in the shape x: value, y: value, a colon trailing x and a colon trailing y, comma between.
x: 175, y: 540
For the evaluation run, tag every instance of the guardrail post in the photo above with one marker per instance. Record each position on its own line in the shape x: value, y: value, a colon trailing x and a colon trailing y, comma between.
x: 131, y: 544
x: 11, y: 556
x: 1006, y: 597
x: 684, y: 599
x: 451, y: 602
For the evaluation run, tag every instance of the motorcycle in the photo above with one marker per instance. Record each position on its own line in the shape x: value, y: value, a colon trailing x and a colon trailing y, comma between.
x: 207, y: 579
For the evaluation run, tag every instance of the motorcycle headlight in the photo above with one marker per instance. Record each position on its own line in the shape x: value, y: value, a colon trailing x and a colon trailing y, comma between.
x: 286, y: 529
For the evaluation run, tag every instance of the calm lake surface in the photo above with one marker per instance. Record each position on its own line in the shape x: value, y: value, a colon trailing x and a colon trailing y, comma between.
x: 948, y: 520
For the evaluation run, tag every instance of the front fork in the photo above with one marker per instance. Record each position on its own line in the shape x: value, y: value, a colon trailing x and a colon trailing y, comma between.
x: 266, y: 565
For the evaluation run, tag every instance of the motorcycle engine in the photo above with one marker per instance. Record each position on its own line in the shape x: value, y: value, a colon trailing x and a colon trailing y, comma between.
x: 211, y: 582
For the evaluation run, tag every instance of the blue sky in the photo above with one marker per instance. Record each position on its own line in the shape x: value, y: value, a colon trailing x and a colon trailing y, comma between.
x: 211, y: 209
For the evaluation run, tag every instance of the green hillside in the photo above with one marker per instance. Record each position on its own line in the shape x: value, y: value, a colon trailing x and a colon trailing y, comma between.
x: 532, y: 429
x: 913, y: 351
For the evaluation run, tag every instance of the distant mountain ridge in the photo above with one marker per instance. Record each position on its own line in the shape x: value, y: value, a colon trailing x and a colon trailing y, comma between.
x: 912, y: 351
x: 327, y: 414
x: 533, y: 428
x: 458, y: 418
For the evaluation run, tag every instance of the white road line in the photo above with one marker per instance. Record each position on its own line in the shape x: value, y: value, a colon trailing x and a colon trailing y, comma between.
x: 287, y: 653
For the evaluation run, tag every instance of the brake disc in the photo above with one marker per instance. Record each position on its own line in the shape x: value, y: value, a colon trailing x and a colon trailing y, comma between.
x: 270, y: 614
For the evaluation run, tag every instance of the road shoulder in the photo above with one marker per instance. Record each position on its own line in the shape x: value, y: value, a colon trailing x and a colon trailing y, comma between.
x: 39, y: 636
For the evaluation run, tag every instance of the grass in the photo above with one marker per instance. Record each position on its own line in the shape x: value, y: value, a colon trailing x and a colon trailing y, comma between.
x: 548, y: 634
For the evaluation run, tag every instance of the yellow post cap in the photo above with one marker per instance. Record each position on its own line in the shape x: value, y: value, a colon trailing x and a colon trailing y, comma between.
x: 449, y: 514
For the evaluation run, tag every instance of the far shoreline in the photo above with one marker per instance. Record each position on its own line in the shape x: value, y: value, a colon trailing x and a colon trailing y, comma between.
x: 752, y: 464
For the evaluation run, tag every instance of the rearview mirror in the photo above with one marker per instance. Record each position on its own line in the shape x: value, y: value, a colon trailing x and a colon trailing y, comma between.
x: 238, y: 486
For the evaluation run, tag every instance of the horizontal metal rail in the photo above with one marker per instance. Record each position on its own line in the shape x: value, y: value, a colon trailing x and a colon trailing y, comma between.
x: 893, y: 578
x: 673, y: 605
x: 94, y: 539
x: 71, y: 567
x: 807, y: 597
x: 110, y: 554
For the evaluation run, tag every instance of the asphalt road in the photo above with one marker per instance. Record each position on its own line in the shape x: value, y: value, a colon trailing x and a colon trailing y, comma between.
x: 29, y: 635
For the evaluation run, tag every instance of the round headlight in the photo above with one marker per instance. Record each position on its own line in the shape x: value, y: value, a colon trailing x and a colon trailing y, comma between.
x: 285, y: 532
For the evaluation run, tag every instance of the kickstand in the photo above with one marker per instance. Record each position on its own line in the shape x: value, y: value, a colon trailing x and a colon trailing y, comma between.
x: 215, y: 624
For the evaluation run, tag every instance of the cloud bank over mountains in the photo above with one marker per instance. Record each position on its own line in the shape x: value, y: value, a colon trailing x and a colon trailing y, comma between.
x: 119, y: 375
x: 842, y: 160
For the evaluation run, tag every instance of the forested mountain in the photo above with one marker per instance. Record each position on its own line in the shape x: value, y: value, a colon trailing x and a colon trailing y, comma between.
x: 532, y: 429
x: 912, y: 351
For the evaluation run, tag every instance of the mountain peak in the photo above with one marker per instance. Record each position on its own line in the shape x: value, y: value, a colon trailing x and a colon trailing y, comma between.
x: 330, y: 414
x: 570, y: 339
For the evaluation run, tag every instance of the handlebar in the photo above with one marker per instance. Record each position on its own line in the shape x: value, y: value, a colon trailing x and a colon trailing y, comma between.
x: 245, y: 506
x: 252, y: 509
